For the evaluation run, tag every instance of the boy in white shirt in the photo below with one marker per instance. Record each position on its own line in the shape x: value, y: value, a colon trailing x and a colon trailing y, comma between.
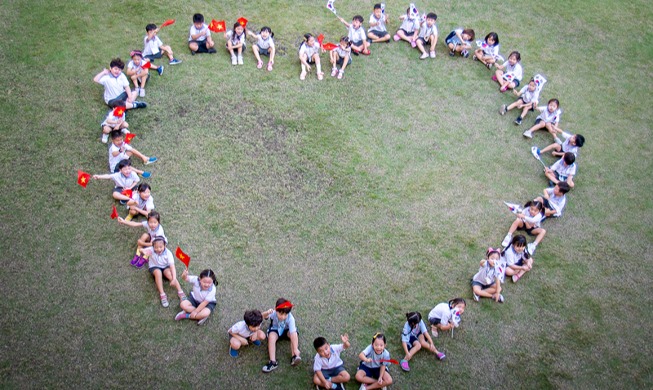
x: 153, y: 48
x: 378, y: 31
x: 120, y: 150
x: 199, y: 38
x: 247, y: 331
x: 113, y: 121
x: 282, y: 326
x: 116, y: 85
x: 428, y: 33
x: 328, y: 366
x: 357, y: 36
x: 554, y: 199
x: 562, y: 170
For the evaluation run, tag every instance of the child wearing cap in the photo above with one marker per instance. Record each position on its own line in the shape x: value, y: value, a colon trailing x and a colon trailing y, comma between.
x: 282, y: 326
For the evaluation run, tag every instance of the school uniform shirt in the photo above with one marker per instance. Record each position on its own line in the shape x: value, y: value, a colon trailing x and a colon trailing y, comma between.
x: 415, y: 332
x: 332, y: 362
x: 309, y: 50
x: 124, y: 181
x: 528, y: 96
x: 513, y: 72
x: 235, y: 38
x: 151, y: 47
x: 511, y: 257
x: 443, y: 312
x: 563, y: 170
x: 283, y: 326
x: 557, y: 202
x: 241, y: 329
x: 549, y: 117
x: 425, y: 31
x: 380, y: 27
x: 459, y: 31
x: 343, y: 52
x: 376, y: 358
x: 111, y: 117
x: 158, y: 232
x: 162, y: 260
x: 409, y: 25
x: 114, y: 160
x: 534, y: 220
x: 143, y: 204
x: 486, y: 275
x: 194, y: 31
x: 492, y: 51
x: 356, y: 34
x: 113, y: 86
x: 138, y: 68
x: 264, y: 43
x: 198, y: 294
x: 567, y: 147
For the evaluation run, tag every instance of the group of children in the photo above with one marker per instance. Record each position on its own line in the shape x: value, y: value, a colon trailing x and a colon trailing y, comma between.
x: 514, y: 260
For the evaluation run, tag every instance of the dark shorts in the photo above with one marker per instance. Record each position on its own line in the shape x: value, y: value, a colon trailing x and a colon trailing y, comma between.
x: 379, y: 34
x: 481, y: 285
x: 357, y: 43
x: 408, y: 34
x: 201, y: 46
x: 284, y: 336
x: 210, y: 306
x: 341, y: 60
x: 410, y: 342
x: 263, y: 52
x: 516, y: 82
x: 146, y: 80
x: 452, y: 38
x: 369, y: 371
x: 434, y: 321
x: 529, y: 231
x: 117, y: 189
x: 331, y: 372
x: 531, y: 103
x: 122, y: 96
x: 156, y: 56
x: 152, y: 269
x: 520, y: 262
x: 424, y: 41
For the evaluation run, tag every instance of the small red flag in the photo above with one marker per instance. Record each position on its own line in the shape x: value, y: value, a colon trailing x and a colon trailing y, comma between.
x: 146, y: 65
x: 83, y: 178
x: 129, y: 137
x: 119, y: 111
x: 114, y: 212
x: 320, y: 39
x: 184, y: 258
x: 218, y: 26
x: 329, y: 46
x: 127, y: 193
x: 168, y: 22
x: 242, y: 21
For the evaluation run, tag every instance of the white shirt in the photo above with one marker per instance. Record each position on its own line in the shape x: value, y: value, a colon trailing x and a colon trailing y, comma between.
x: 194, y: 31
x: 309, y: 50
x: 241, y: 329
x: 264, y: 43
x: 425, y: 31
x: 567, y: 147
x: 443, y: 312
x: 533, y: 219
x: 376, y: 358
x: 114, y: 160
x: 281, y: 327
x: 409, y: 25
x: 235, y: 39
x: 124, y: 182
x: 563, y: 170
x: 512, y: 72
x: 557, y: 202
x: 113, y: 86
x: 137, y: 68
x: 356, y: 34
x: 198, y: 294
x: 343, y: 52
x: 141, y: 204
x: 528, y: 96
x: 381, y: 23
x: 407, y: 331
x: 511, y: 257
x: 486, y: 275
x: 549, y: 117
x: 163, y: 260
x: 152, y: 46
x: 158, y: 232
x: 332, y: 362
x: 112, y: 117
x: 492, y: 51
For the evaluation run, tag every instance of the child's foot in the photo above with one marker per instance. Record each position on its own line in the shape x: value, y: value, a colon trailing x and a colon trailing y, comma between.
x: 528, y: 134
x: 413, y: 44
x: 355, y: 51
x: 501, y: 300
x: 424, y: 56
x: 240, y: 60
x: 259, y: 65
x: 535, y: 151
x: 503, y: 110
x: 202, y: 321
x: 440, y: 355
x: 146, y: 175
x: 123, y: 202
x: 474, y: 57
x: 404, y: 365
x: 531, y: 248
x: 464, y: 53
x: 135, y: 260
x: 503, y: 89
x: 173, y: 61
x: 270, y: 64
x: 141, y: 262
x: 257, y: 343
x: 181, y: 316
x: 295, y: 360
x: 320, y: 75
x: 366, y: 52
x: 334, y: 72
x: 341, y: 74
x: 234, y: 60
x: 489, y: 66
x: 302, y: 76
x: 141, y: 92
x: 434, y: 332
x: 451, y: 53
x: 515, y: 278
x: 271, y: 366
x: 494, y: 77
x: 518, y: 121
x: 151, y: 160
x: 396, y: 37
x: 105, y: 138
x: 210, y: 51
x: 506, y: 240
x: 432, y: 54
x: 181, y: 295
x: 193, y: 52
x: 138, y: 104
x: 476, y: 297
x: 159, y: 70
x: 164, y: 300
x: 233, y: 353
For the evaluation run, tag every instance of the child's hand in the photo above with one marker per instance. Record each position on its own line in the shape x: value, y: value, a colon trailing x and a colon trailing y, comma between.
x: 308, y: 67
x: 345, y: 338
x: 368, y: 360
x: 121, y: 220
x: 95, y: 177
x: 184, y: 274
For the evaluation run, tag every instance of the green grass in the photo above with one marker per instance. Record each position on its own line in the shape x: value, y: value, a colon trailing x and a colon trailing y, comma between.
x: 359, y: 200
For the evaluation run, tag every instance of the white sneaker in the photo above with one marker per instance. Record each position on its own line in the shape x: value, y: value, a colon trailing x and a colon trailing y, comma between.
x: 432, y: 54
x: 334, y: 72
x: 527, y: 134
x: 234, y: 60
x: 424, y: 56
x: 506, y: 240
x: 535, y: 151
x: 105, y: 138
x: 142, y: 92
x: 240, y: 60
x: 531, y: 248
x: 476, y: 297
x: 503, y: 109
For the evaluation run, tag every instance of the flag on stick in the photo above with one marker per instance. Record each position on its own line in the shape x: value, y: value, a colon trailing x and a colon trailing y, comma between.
x: 129, y: 137
x: 114, y: 212
x: 83, y: 178
x: 168, y: 22
x: 184, y: 258
x: 218, y: 26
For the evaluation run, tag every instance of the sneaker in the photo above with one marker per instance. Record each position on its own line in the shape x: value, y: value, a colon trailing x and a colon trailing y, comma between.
x: 234, y: 60
x: 302, y: 75
x: 173, y: 61
x: 259, y: 65
x: 494, y: 77
x: 334, y: 72
x: 489, y: 66
x: 257, y: 343
x: 135, y: 260
x: 501, y: 300
x: 396, y: 37
x: 535, y: 151
x: 240, y: 60
x: 518, y: 121
x: 141, y: 92
x: 432, y: 54
x: 164, y: 300
x: 434, y: 332
x: 141, y: 262
x: 211, y: 51
x: 125, y: 131
x: 159, y: 70
x: 320, y: 75
x: 451, y: 53
x: 202, y: 321
x: 340, y: 386
x: 138, y: 104
x: 440, y: 355
x: 233, y: 353
x: 424, y: 56
x: 527, y: 134
x: 363, y: 387
x: 503, y: 110
x: 341, y: 74
x: 413, y: 44
x: 404, y: 365
x: 506, y: 240
x: 464, y: 53
x: 105, y: 138
x: 515, y: 278
x: 295, y: 360
x: 531, y: 248
x: 476, y: 297
x: 151, y: 160
x: 146, y: 175
x: 180, y: 316
x: 271, y: 366
x: 474, y: 57
x: 193, y: 52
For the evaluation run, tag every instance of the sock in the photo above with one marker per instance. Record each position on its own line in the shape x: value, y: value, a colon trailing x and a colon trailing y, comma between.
x: 334, y: 386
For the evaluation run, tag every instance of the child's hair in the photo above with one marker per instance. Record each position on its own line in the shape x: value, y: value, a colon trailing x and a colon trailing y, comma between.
x: 490, y: 251
x: 580, y: 140
x: 208, y: 273
x: 563, y: 186
x: 117, y: 62
x: 307, y: 36
x: 198, y: 18
x: 535, y: 203
x: 413, y: 318
x: 280, y: 302
x: 124, y: 163
x: 516, y: 55
x: 160, y: 238
x: 136, y: 53
x: 153, y: 214
x: 268, y: 29
x: 345, y: 39
x: 494, y: 36
x: 432, y: 15
x: 569, y: 158
x: 236, y: 25
x: 554, y: 100
x: 115, y: 134
x: 379, y: 335
x: 319, y: 342
x: 469, y: 32
x: 518, y: 240
x: 121, y: 103
x: 143, y: 187
x: 456, y: 301
x: 150, y: 27
x: 358, y: 18
x: 377, y: 6
x: 253, y: 318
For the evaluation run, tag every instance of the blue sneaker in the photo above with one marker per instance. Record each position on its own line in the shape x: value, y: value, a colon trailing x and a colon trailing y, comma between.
x: 233, y: 352
x: 123, y: 202
x: 138, y: 104
x: 146, y: 175
x: 159, y: 70
x: 174, y: 61
x: 151, y: 160
x: 257, y: 343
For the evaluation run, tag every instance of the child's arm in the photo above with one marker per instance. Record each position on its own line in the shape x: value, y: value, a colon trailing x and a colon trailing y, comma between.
x: 98, y: 76
x: 184, y: 275
x: 129, y: 223
x: 199, y: 308
x: 267, y: 313
x: 343, y: 21
x: 345, y: 341
x: 113, y: 122
x: 364, y: 358
x: 102, y: 177
x: 252, y: 34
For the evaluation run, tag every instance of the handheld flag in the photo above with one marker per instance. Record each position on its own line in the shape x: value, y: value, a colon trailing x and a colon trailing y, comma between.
x: 514, y: 207
x: 146, y: 65
x: 508, y: 76
x: 83, y: 178
x: 129, y: 137
x: 383, y: 8
x: 119, y: 111
x: 218, y: 26
x: 329, y: 46
x: 539, y: 82
x: 114, y: 212
x: 127, y: 193
x: 392, y: 361
x: 320, y: 39
x: 331, y: 7
x: 413, y: 13
x: 168, y: 22
x: 242, y: 21
x: 184, y: 258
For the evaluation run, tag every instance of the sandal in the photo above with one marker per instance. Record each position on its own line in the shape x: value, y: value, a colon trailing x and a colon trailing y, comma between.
x: 440, y: 355
x: 270, y: 66
x: 259, y: 65
x: 366, y: 52
x: 181, y: 295
x: 320, y: 75
x: 164, y: 300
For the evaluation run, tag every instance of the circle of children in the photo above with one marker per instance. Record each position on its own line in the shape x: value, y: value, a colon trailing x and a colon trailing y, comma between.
x: 514, y: 260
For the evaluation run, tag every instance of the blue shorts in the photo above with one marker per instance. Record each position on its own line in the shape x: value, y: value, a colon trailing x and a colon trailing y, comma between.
x: 411, y: 341
x: 331, y: 372
x: 434, y: 321
x: 516, y: 82
x: 483, y: 286
x: 408, y: 34
x: 152, y: 269
x: 452, y: 38
x: 122, y: 96
x: 370, y: 371
x: 210, y: 306
x: 152, y: 57
x: 341, y: 61
x: 262, y: 51
x: 379, y: 34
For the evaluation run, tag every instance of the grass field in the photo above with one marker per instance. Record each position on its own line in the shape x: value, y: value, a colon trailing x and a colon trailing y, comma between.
x: 359, y: 200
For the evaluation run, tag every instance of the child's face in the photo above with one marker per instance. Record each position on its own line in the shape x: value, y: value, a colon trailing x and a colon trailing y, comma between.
x: 324, y: 351
x: 205, y: 282
x: 460, y: 308
x: 356, y: 23
x: 265, y: 34
x: 378, y: 345
x: 159, y: 247
x: 512, y: 60
x: 145, y: 195
x: 519, y: 248
x: 153, y: 223
x: 281, y: 315
x: 311, y: 41
x: 533, y: 211
x: 430, y: 22
x: 552, y: 107
x: 137, y: 60
x: 126, y: 171
x: 343, y: 44
x: 466, y: 37
x: 492, y: 258
x: 198, y: 25
x: 532, y: 86
x: 491, y: 41
x: 556, y: 191
x: 239, y: 29
x: 115, y: 71
x: 151, y: 34
x: 117, y: 141
x: 572, y: 140
x: 253, y: 328
x: 377, y: 13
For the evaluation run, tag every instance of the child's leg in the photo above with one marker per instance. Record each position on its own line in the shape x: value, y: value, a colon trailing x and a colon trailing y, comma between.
x: 363, y: 378
x: 517, y: 224
x: 272, y: 345
x: 138, y: 154
x: 537, y: 126
x: 158, y: 280
x: 478, y: 53
x: 143, y: 79
x: 333, y: 57
x: 525, y: 110
x: 240, y: 51
x: 345, y: 62
x: 237, y: 341
x: 426, y: 345
x: 173, y: 283
x: 403, y: 36
x: 540, y: 235
x: 186, y: 306
x: 256, y: 54
x: 272, y: 52
x: 551, y: 130
x: 134, y: 79
x: 342, y: 377
x: 318, y: 66
x: 317, y: 381
x: 366, y: 45
x: 193, y: 46
x: 106, y: 129
x: 416, y: 347
x: 167, y: 51
x: 434, y: 41
x: 498, y: 74
x: 144, y: 241
x: 209, y: 43
x: 259, y: 335
x: 420, y: 46
x: 554, y: 147
x: 118, y: 196
x: 487, y: 293
x: 294, y: 344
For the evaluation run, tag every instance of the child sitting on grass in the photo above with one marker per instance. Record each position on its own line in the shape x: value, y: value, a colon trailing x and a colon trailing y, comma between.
x: 527, y: 101
x: 236, y: 43
x: 153, y: 48
x: 124, y: 179
x: 487, y: 281
x: 428, y: 34
x: 562, y: 170
x: 341, y: 55
x: 246, y: 331
x: 460, y: 41
x: 116, y: 86
x: 554, y: 199
x: 509, y: 74
x: 264, y: 46
x: 409, y: 29
x: 201, y: 301
x: 378, y: 31
x: 162, y: 264
x: 488, y: 51
x: 529, y: 221
x: 309, y: 53
x: 119, y: 150
x: 372, y: 371
x: 153, y: 229
x: 328, y: 366
x: 548, y: 119
x: 517, y: 259
x: 414, y: 337
x: 572, y: 144
x: 199, y: 37
x: 141, y: 202
x: 137, y: 73
x: 446, y: 315
x: 282, y: 326
x: 357, y: 36
x: 113, y: 121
